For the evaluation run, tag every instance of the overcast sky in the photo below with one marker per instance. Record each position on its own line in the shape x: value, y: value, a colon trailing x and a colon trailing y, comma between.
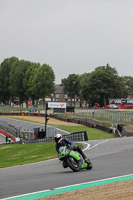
x: 72, y: 36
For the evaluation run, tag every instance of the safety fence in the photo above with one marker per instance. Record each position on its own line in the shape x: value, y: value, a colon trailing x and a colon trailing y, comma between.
x: 28, y: 136
x: 77, y: 136
x: 113, y: 115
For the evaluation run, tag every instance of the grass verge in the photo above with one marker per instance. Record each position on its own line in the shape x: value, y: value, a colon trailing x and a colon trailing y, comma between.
x: 93, y: 133
x: 19, y: 154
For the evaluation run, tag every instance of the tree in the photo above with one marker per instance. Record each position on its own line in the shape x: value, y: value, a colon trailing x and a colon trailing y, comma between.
x: 43, y: 82
x: 84, y: 82
x: 71, y: 86
x: 23, y: 79
x: 101, y: 84
x: 127, y: 85
x: 5, y: 68
x: 27, y: 81
x: 17, y: 75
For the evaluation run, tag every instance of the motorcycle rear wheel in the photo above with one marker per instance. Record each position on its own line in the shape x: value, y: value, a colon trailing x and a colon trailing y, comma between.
x: 73, y: 164
x: 89, y: 165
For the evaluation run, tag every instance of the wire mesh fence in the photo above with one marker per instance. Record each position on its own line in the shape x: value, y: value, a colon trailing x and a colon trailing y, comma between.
x: 120, y: 116
x: 117, y: 115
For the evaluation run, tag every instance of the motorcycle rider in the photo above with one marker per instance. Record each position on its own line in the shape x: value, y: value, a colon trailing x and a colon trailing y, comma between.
x: 65, y: 142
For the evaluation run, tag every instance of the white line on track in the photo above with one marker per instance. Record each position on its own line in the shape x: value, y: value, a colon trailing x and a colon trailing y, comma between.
x: 98, y: 144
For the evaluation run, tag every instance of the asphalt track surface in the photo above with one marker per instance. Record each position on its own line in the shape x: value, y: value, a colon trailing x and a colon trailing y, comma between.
x: 24, y: 125
x: 110, y: 158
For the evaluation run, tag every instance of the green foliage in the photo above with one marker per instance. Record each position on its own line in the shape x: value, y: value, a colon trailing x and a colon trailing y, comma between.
x: 71, y: 86
x: 5, y: 69
x: 24, y: 79
x: 17, y: 76
x: 43, y: 81
x: 27, y: 80
x: 127, y: 85
x: 100, y: 85
x: 84, y: 82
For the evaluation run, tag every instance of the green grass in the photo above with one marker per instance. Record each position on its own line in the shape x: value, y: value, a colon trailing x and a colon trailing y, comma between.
x: 93, y: 133
x: 19, y: 154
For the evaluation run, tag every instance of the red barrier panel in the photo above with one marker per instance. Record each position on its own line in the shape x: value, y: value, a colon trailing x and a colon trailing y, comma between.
x: 7, y: 134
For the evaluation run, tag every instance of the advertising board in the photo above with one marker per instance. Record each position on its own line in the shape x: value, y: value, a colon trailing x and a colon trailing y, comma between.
x: 56, y: 105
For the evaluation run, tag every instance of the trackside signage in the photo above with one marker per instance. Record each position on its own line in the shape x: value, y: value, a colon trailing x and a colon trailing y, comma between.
x: 56, y: 105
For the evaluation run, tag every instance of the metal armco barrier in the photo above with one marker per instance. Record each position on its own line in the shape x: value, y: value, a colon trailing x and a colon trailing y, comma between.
x: 77, y: 136
x: 10, y: 128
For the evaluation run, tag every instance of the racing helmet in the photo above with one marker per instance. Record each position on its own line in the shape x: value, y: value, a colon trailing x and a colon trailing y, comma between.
x: 58, y: 138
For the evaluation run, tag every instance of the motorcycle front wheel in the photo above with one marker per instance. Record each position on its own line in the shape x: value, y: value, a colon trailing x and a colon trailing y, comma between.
x: 73, y: 164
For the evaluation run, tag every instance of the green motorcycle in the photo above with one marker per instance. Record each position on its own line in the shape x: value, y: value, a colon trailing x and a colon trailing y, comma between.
x: 73, y: 159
